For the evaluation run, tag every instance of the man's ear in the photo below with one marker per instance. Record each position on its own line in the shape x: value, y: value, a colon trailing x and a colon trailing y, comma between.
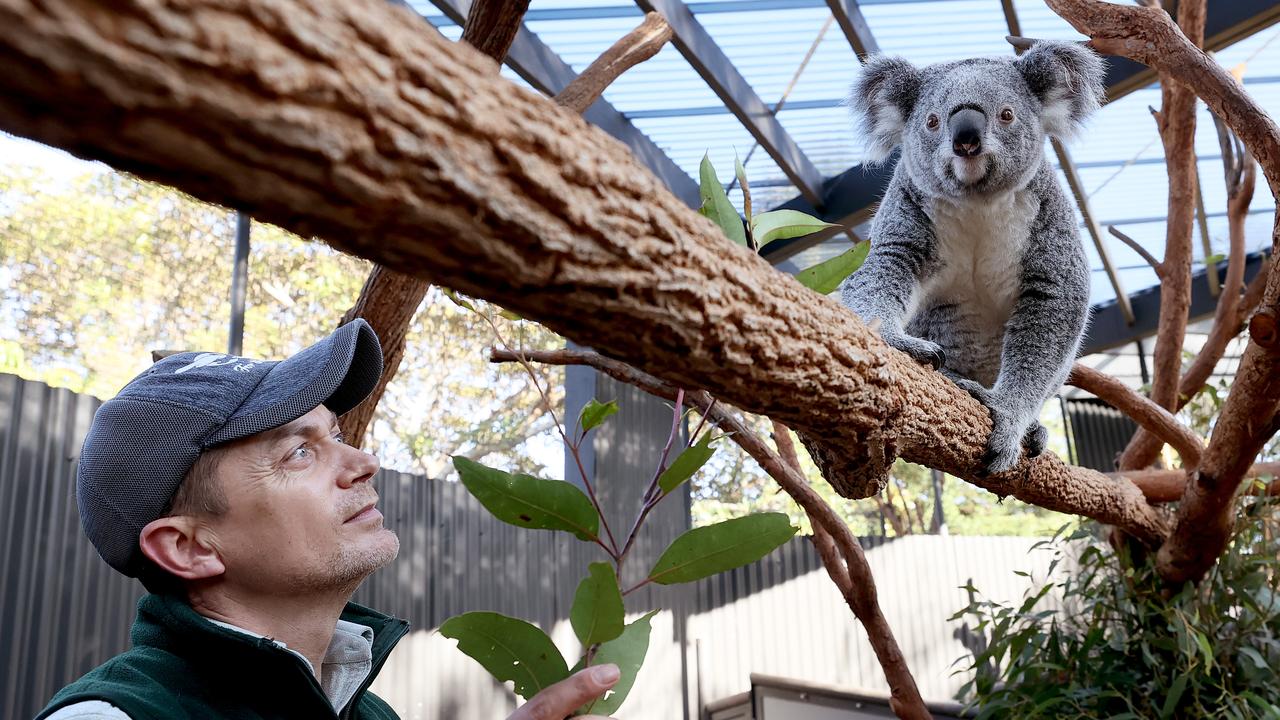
x: 183, y: 547
x: 1067, y: 78
x: 882, y: 99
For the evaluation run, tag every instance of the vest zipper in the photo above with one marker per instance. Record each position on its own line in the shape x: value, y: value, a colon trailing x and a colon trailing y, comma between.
x: 402, y: 629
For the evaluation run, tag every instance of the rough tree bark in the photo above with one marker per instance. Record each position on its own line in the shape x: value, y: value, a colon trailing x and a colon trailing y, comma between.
x: 389, y: 299
x: 350, y: 123
x: 1248, y: 417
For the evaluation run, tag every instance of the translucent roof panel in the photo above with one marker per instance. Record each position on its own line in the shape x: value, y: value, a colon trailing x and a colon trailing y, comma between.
x: 938, y: 30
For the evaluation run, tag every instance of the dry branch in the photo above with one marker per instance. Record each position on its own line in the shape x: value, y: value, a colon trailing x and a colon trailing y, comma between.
x: 396, y: 145
x: 1247, y: 419
x: 492, y: 25
x: 634, y: 48
x: 1177, y: 123
x: 387, y: 302
x: 1137, y: 247
x: 854, y: 579
x: 1162, y: 486
x: 1143, y: 411
x: 1232, y: 310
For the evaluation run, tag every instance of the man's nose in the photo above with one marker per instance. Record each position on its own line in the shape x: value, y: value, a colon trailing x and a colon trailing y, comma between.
x: 966, y: 126
x: 357, y: 466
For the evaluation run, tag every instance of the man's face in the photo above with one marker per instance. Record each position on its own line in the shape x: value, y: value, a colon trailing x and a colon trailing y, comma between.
x: 301, y: 514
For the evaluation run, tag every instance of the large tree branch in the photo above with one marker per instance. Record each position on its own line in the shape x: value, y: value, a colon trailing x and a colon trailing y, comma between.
x: 1162, y: 486
x: 1247, y: 418
x: 399, y: 146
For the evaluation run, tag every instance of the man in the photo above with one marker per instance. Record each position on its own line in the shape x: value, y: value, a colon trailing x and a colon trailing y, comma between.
x: 223, y: 484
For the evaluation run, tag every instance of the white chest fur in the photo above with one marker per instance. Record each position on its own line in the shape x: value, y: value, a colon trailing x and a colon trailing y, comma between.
x: 979, y: 255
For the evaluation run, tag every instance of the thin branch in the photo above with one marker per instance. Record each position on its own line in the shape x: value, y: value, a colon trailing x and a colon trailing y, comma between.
x: 1143, y: 411
x: 634, y: 48
x: 522, y: 357
x: 1162, y: 486
x: 905, y: 697
x: 1135, y: 246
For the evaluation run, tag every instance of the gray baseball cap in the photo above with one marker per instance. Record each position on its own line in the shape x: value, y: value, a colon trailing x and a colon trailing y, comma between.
x: 143, y: 441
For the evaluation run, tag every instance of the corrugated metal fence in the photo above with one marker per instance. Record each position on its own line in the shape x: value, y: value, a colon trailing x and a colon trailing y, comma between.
x: 63, y: 611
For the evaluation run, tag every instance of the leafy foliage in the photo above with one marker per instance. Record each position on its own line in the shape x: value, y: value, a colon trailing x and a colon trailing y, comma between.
x: 705, y: 551
x: 597, y: 614
x: 530, y: 502
x: 98, y: 268
x: 509, y: 649
x: 1118, y: 650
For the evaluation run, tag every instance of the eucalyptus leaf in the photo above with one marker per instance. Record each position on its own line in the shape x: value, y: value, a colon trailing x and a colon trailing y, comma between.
x: 457, y: 299
x: 597, y: 613
x: 627, y: 651
x: 741, y: 172
x: 594, y: 413
x: 716, y: 205
x: 686, y: 464
x: 826, y: 276
x: 705, y: 551
x: 783, y: 224
x: 530, y: 502
x: 509, y: 649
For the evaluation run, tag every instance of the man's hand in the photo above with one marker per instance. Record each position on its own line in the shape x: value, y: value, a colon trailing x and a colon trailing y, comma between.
x: 557, y: 701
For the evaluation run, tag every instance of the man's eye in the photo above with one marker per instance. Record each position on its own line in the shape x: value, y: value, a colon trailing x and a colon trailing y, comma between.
x: 299, y: 452
x: 340, y: 437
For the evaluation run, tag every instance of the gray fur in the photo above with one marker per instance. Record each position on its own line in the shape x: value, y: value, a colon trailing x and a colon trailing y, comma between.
x: 976, y: 264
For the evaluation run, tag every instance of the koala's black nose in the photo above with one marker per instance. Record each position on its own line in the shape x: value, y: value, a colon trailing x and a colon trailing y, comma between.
x: 966, y: 126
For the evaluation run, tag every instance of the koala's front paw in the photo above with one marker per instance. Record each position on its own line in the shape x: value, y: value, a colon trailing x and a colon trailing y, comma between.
x: 922, y: 351
x: 1036, y: 439
x: 1006, y: 440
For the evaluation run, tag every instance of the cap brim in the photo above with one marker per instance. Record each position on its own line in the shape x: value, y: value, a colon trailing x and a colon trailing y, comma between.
x: 337, y: 372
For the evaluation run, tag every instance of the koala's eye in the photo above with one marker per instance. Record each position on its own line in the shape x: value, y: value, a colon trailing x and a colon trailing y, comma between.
x: 1006, y: 116
x: 932, y: 122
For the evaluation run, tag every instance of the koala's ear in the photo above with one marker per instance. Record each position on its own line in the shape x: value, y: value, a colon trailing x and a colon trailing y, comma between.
x: 1067, y: 78
x: 882, y: 98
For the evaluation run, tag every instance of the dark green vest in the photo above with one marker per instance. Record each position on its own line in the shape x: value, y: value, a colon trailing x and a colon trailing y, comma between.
x: 183, y: 667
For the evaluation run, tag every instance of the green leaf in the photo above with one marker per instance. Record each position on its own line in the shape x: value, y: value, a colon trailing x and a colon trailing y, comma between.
x: 1214, y: 259
x: 1175, y: 694
x: 1254, y: 656
x: 716, y: 205
x: 509, y: 649
x: 705, y: 551
x: 457, y: 299
x: 741, y: 172
x: 509, y: 315
x: 594, y: 413
x: 826, y: 276
x: 597, y: 606
x: 530, y: 502
x: 686, y: 464
x: 1203, y: 642
x: 627, y: 651
x: 783, y: 224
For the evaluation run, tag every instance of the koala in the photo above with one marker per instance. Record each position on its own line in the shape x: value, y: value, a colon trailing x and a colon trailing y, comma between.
x: 976, y: 265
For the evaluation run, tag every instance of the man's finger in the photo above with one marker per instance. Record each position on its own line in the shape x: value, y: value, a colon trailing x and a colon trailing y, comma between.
x: 557, y: 701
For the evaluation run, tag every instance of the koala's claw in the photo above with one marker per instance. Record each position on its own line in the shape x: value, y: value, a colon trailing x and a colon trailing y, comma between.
x: 922, y: 351
x: 1005, y: 443
x: 1036, y: 439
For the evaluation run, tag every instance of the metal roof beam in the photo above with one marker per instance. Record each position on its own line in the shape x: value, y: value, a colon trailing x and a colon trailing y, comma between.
x: 546, y: 71
x: 706, y: 57
x: 849, y: 17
